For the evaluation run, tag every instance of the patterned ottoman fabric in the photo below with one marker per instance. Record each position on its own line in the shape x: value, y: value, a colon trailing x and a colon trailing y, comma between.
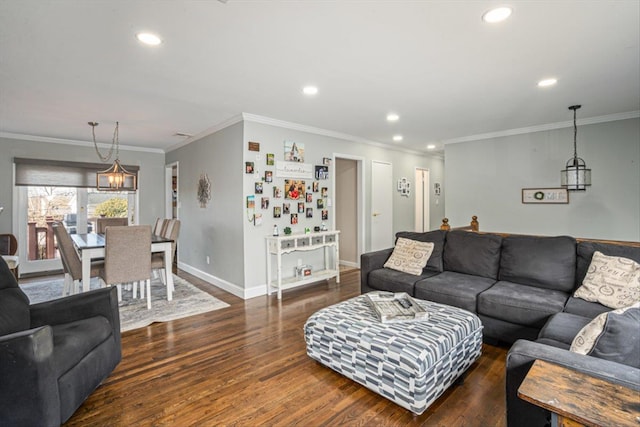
x: 410, y: 363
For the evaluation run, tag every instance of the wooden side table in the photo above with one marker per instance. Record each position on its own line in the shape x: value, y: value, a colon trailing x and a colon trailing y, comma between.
x: 578, y: 399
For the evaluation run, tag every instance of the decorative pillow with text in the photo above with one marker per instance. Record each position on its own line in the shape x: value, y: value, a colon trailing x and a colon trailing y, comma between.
x: 611, y: 281
x: 409, y: 256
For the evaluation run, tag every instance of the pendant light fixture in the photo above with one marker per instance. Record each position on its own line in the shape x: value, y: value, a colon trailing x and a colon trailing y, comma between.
x: 575, y: 176
x: 116, y: 178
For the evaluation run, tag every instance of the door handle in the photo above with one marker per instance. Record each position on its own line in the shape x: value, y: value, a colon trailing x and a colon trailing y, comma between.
x: 376, y: 214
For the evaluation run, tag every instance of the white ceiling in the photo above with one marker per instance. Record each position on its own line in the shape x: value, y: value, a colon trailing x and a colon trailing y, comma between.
x: 435, y: 63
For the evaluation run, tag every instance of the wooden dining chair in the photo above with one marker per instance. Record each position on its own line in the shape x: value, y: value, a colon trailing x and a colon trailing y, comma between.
x: 103, y: 223
x: 71, y: 262
x: 127, y: 258
x: 172, y: 231
x: 8, y: 250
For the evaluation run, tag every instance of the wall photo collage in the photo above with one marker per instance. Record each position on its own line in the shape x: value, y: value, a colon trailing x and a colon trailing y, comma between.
x: 292, y: 198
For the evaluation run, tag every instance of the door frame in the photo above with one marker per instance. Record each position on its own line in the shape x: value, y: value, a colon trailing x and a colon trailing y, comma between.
x: 426, y: 200
x: 360, y: 199
x: 168, y: 191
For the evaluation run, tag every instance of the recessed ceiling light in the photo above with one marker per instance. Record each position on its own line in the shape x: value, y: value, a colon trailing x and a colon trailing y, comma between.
x: 392, y: 117
x: 310, y: 90
x: 498, y: 14
x: 397, y: 138
x: 431, y: 147
x: 547, y: 82
x: 148, y: 38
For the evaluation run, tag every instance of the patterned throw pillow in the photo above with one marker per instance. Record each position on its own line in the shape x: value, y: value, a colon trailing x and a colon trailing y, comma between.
x: 409, y: 256
x: 612, y: 336
x: 611, y: 281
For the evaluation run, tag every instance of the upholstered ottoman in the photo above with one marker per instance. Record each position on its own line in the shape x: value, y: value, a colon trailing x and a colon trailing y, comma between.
x: 410, y: 363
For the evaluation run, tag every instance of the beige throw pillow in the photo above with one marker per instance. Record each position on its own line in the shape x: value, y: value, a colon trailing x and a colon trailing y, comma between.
x: 612, y: 281
x: 586, y: 339
x: 410, y: 256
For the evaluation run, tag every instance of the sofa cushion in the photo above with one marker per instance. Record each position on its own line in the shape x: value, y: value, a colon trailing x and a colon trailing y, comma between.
x: 612, y: 336
x: 584, y: 308
x: 563, y: 327
x: 587, y: 249
x: 74, y: 340
x: 521, y: 304
x: 611, y: 280
x: 437, y: 237
x: 472, y: 253
x: 14, y: 304
x: 545, y: 262
x: 409, y: 256
x: 451, y: 288
x: 385, y: 279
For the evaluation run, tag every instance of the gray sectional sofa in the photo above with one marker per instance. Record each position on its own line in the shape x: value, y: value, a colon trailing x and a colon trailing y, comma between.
x: 522, y: 288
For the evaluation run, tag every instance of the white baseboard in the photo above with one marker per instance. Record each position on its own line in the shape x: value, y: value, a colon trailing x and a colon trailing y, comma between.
x: 350, y: 264
x: 232, y: 288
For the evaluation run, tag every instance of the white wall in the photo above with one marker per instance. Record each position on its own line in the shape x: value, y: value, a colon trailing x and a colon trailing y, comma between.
x: 151, y: 175
x: 485, y: 178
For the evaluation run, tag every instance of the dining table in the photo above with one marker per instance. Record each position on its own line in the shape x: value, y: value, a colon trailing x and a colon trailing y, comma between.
x: 91, y: 246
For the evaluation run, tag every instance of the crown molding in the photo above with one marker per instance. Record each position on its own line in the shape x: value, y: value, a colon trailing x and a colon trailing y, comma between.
x: 541, y: 128
x: 209, y: 131
x: 35, y: 138
x: 324, y: 132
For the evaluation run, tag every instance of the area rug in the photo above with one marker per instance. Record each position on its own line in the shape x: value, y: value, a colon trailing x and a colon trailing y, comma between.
x: 188, y: 300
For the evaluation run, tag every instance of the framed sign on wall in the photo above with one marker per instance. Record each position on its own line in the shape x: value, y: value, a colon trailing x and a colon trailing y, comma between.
x: 545, y: 195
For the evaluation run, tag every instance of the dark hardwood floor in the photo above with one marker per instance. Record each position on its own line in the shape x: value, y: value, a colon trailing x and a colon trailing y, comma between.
x: 246, y: 365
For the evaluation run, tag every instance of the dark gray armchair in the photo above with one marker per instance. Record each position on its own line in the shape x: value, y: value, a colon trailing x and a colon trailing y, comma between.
x: 53, y: 355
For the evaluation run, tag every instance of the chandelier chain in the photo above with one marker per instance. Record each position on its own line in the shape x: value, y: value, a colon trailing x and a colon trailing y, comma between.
x: 114, y: 143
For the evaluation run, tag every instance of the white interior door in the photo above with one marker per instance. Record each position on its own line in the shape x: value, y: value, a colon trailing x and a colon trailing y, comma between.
x: 381, y: 205
x: 422, y: 219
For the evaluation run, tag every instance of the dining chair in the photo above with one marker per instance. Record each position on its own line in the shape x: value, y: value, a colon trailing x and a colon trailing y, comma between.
x: 172, y: 231
x: 71, y: 263
x: 127, y: 258
x: 8, y: 250
x: 157, y: 228
x: 103, y: 223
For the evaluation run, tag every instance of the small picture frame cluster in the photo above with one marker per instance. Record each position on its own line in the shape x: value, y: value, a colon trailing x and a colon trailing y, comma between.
x: 404, y: 187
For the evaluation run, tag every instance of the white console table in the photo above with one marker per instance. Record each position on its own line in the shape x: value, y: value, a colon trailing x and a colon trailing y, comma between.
x: 279, y: 245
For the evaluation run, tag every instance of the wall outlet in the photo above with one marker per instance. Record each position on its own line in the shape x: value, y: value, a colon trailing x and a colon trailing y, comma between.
x: 208, y: 260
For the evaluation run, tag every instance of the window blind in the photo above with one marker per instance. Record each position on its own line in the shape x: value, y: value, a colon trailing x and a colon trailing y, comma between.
x: 57, y: 173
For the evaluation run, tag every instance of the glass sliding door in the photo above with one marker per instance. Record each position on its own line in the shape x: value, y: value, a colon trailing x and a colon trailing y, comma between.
x: 76, y: 208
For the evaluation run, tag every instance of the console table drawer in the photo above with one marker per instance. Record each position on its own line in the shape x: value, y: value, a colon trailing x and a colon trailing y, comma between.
x: 286, y: 244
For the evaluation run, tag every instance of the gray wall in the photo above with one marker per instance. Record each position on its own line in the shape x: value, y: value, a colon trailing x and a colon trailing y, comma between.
x: 216, y: 230
x: 151, y: 176
x: 485, y: 178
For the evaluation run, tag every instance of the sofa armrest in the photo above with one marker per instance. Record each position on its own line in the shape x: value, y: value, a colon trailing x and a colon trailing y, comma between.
x: 369, y: 262
x: 99, y: 302
x: 29, y: 387
x: 522, y: 355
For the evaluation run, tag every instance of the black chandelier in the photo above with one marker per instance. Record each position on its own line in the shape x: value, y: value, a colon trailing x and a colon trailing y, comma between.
x: 575, y: 176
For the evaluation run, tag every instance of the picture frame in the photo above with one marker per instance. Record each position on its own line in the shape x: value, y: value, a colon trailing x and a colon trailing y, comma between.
x: 277, y: 192
x: 294, y: 218
x: 294, y: 189
x: 293, y: 151
x: 309, y: 198
x: 309, y: 213
x: 324, y: 192
x: 271, y: 159
x: 320, y: 203
x: 316, y: 186
x: 549, y: 196
x: 301, y: 207
x: 258, y: 187
x: 264, y: 203
x: 277, y: 211
x: 268, y: 176
x: 322, y: 172
x: 325, y: 214
x: 286, y: 208
x: 249, y: 167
